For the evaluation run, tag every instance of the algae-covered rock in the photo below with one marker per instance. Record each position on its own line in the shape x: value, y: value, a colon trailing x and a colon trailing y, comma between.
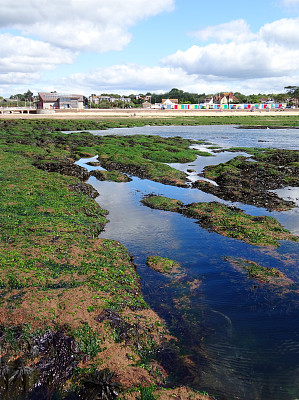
x: 227, y: 221
x: 163, y: 264
x: 162, y: 203
x: 63, y: 167
x: 249, y: 180
x: 84, y: 188
x: 112, y: 175
x: 262, y: 274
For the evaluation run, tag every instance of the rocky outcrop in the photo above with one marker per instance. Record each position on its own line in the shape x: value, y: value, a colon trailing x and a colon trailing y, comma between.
x: 84, y: 188
x: 63, y: 167
x: 111, y: 175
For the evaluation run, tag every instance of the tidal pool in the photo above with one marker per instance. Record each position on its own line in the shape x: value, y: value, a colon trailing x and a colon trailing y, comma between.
x: 239, y: 337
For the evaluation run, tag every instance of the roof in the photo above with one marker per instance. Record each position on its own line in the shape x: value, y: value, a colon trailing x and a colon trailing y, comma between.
x: 56, y: 96
x: 220, y: 96
x: 170, y: 101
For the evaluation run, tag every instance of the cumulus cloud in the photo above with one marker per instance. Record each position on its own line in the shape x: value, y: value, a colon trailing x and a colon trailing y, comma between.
x: 284, y: 32
x: 53, y: 33
x: 16, y: 78
x: 96, y: 25
x: 238, y: 31
x: 233, y: 60
x: 22, y: 59
x: 273, y: 52
x: 131, y: 77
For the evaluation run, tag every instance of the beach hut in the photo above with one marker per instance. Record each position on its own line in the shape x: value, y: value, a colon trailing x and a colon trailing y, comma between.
x: 168, y: 104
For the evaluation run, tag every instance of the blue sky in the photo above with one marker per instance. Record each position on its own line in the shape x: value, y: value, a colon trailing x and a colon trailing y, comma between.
x: 135, y: 46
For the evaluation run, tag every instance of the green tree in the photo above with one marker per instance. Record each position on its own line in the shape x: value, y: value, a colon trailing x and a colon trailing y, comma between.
x: 253, y: 98
x: 280, y: 97
x: 131, y: 105
x: 104, y: 104
x: 241, y: 97
x: 293, y: 91
x: 118, y: 104
x: 28, y: 95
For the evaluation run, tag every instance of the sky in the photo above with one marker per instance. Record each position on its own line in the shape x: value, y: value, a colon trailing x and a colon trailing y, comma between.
x: 139, y: 46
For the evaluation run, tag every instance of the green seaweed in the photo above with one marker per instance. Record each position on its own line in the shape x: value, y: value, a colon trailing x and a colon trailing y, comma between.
x: 255, y: 271
x: 227, y: 221
x: 250, y: 180
x: 162, y: 264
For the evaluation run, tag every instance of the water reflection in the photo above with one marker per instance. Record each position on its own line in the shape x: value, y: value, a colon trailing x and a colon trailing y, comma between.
x: 128, y: 218
x: 195, y: 168
x: 239, y: 337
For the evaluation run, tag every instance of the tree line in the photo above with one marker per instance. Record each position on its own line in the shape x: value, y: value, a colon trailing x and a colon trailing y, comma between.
x: 195, y: 98
x: 184, y: 97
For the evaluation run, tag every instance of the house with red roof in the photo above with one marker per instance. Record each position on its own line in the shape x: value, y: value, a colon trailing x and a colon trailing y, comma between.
x: 224, y: 98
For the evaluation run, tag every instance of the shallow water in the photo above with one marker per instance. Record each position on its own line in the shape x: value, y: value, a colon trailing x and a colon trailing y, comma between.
x: 221, y: 135
x: 240, y: 337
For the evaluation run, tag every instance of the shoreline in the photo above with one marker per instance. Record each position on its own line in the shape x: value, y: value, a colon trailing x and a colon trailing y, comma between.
x: 148, y: 113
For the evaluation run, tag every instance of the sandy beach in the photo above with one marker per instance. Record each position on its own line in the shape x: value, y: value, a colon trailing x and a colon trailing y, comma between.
x: 144, y: 113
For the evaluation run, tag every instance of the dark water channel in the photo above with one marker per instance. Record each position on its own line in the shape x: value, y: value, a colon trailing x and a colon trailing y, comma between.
x: 239, y: 338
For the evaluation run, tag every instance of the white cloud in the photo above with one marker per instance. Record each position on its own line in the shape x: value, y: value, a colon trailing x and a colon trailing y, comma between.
x: 22, y: 60
x: 96, y: 25
x: 16, y: 78
x: 274, y: 52
x: 52, y: 33
x: 283, y: 32
x: 237, y: 30
x: 130, y: 77
x: 236, y: 61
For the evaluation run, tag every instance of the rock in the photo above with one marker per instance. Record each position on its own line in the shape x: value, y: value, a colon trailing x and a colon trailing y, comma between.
x: 63, y: 167
x: 84, y: 188
x: 112, y: 175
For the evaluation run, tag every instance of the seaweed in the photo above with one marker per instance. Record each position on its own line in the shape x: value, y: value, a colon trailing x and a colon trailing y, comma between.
x: 84, y: 188
x: 162, y: 264
x: 111, y: 175
x: 100, y: 385
x: 226, y: 220
x: 64, y: 167
x: 249, y: 182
